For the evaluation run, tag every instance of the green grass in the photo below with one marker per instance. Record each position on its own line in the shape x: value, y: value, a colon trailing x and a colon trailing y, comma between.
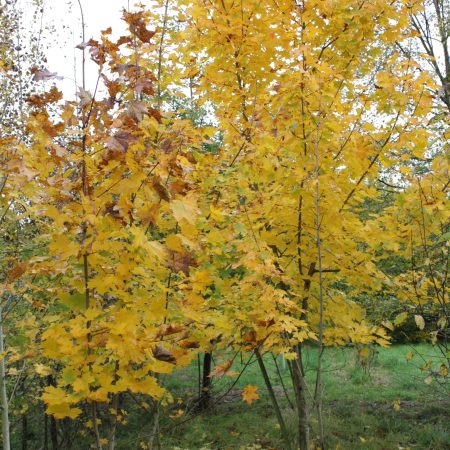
x: 358, y: 407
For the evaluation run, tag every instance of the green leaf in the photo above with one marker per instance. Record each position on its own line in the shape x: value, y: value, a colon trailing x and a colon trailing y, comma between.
x: 75, y: 301
x: 400, y: 318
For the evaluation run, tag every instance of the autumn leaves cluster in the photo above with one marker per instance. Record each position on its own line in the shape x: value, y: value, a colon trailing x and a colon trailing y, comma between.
x: 162, y: 237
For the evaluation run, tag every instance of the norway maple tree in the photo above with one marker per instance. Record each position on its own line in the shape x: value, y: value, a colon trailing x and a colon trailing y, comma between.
x: 112, y: 180
x: 157, y: 248
x: 314, y: 102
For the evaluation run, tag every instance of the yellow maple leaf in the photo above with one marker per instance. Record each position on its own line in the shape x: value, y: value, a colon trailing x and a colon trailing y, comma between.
x: 42, y: 370
x: 157, y: 249
x: 443, y: 370
x: 249, y: 394
x: 396, y: 405
x: 173, y: 242
x: 58, y: 403
x: 364, y: 353
x: 185, y: 208
x: 420, y: 322
x: 216, y: 213
x: 63, y: 246
x: 177, y: 414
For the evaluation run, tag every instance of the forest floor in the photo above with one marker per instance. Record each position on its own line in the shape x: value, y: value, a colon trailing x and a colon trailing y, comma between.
x: 384, y: 405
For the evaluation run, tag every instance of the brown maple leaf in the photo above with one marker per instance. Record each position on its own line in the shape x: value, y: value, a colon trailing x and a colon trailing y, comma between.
x: 44, y: 74
x: 167, y: 329
x: 137, y: 24
x: 137, y: 109
x: 182, y: 263
x: 221, y: 369
x: 162, y: 354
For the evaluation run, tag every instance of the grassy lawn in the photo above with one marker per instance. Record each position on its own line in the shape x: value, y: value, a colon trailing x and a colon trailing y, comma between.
x: 385, y: 406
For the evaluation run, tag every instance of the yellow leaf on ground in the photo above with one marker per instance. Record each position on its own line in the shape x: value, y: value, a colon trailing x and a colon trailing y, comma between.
x: 443, y: 371
x: 364, y: 353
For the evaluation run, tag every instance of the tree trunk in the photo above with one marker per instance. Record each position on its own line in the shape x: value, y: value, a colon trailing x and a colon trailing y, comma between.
x: 300, y: 388
x: 53, y: 424
x: 274, y: 401
x: 54, y: 433
x: 205, y: 396
x: 3, y: 393
x: 45, y: 431
x: 318, y: 392
x: 95, y: 421
x: 154, y: 439
x: 112, y: 434
x: 24, y: 432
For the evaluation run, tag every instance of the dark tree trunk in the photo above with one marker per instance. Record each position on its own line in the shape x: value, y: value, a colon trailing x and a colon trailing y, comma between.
x: 299, y: 383
x: 53, y: 424
x: 45, y: 431
x: 24, y: 432
x: 273, y: 399
x: 54, y: 433
x: 205, y: 396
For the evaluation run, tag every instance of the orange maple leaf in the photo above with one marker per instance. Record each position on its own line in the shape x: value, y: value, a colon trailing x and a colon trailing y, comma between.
x: 249, y: 394
x: 221, y: 369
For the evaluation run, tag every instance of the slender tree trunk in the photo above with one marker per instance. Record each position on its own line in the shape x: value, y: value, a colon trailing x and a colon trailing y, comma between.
x: 154, y: 442
x: 112, y: 434
x: 160, y: 52
x: 205, y: 396
x: 54, y: 433
x: 53, y: 423
x: 3, y: 393
x: 274, y: 401
x: 24, y: 432
x: 300, y: 389
x: 45, y: 431
x: 98, y: 439
x: 319, y: 388
x: 280, y: 377
x: 199, y: 376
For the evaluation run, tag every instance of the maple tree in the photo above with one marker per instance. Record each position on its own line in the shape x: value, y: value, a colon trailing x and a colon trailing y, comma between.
x: 112, y: 180
x: 164, y: 235
x: 344, y: 94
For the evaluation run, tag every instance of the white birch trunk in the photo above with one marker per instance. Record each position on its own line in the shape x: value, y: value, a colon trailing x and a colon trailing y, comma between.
x: 3, y: 393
